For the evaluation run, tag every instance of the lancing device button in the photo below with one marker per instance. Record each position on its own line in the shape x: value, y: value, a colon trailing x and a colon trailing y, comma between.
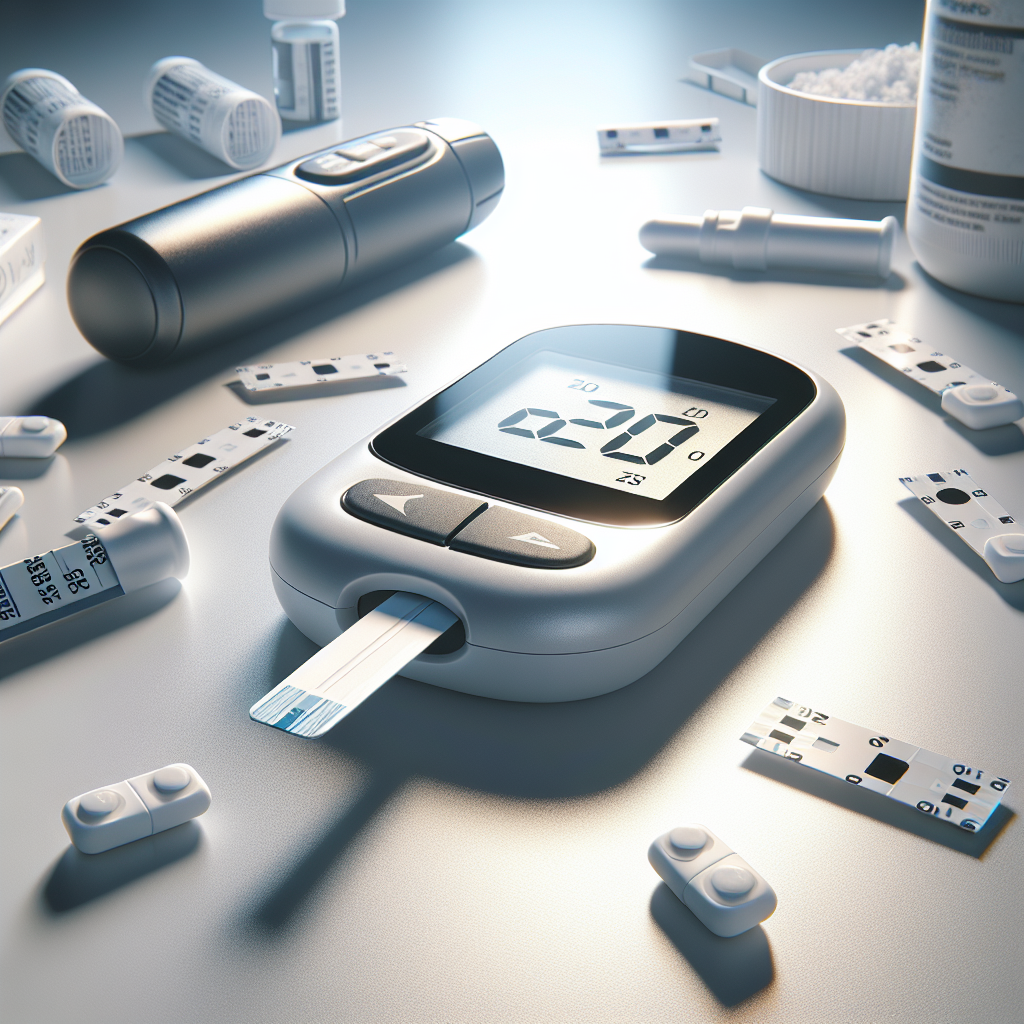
x: 508, y: 536
x: 170, y: 780
x: 34, y: 424
x: 423, y: 512
x: 732, y: 881
x: 98, y: 804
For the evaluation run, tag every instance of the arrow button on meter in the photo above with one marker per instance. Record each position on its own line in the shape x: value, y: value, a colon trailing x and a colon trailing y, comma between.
x: 509, y: 536
x: 536, y: 538
x: 427, y: 513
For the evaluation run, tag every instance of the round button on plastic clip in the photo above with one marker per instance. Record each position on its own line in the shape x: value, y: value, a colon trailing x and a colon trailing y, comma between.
x: 732, y: 881
x: 688, y: 838
x: 99, y: 804
x: 982, y: 393
x: 170, y: 780
x: 34, y: 424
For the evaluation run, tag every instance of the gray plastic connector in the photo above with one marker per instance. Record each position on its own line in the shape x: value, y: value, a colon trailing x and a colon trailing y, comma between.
x: 759, y: 239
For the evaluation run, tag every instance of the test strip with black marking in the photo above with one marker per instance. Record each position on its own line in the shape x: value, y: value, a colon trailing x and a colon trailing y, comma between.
x: 339, y: 677
x: 893, y: 345
x: 939, y: 786
x: 975, y: 517
x: 308, y: 373
x: 659, y: 136
x: 185, y: 473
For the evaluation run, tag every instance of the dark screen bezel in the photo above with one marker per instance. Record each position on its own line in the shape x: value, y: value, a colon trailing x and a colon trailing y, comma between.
x: 696, y: 357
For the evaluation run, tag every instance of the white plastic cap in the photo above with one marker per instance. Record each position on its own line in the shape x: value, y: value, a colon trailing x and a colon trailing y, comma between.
x: 147, y: 547
x: 285, y: 10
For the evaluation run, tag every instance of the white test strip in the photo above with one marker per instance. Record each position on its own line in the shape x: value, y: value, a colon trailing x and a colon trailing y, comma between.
x: 339, y: 677
x: 312, y: 372
x: 183, y: 474
x: 934, y: 784
x: 974, y: 400
x: 45, y: 588
x: 659, y: 136
x: 975, y: 517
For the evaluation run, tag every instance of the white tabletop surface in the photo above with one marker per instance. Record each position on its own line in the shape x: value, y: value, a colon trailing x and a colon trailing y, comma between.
x: 441, y: 857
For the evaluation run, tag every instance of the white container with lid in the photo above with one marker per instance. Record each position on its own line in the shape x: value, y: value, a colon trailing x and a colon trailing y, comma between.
x: 857, y: 149
x: 52, y: 121
x: 235, y: 124
x: 965, y: 214
x: 304, y: 42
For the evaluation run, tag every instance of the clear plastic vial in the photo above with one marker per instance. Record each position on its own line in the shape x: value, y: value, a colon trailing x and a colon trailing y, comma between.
x: 304, y: 43
x: 52, y: 121
x: 235, y: 124
x: 965, y: 211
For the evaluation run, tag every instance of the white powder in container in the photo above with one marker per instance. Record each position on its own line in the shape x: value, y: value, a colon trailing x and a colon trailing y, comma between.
x: 876, y: 76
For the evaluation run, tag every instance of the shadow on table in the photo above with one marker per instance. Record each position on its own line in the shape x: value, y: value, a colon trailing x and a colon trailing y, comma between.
x: 22, y: 178
x: 877, y: 806
x: 733, y: 969
x: 79, y: 877
x: 24, y: 469
x: 327, y: 390
x: 1005, y: 314
x: 185, y: 157
x: 893, y: 283
x: 1011, y: 593
x: 538, y: 751
x: 107, y: 394
x: 995, y: 441
x: 65, y: 634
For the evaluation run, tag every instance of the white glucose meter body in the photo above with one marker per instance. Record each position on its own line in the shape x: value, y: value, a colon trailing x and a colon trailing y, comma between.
x: 580, y: 501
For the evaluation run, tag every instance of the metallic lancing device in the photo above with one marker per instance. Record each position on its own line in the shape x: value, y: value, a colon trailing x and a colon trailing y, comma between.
x: 206, y: 269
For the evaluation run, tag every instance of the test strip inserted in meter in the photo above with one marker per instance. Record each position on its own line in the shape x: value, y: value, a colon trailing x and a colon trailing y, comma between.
x: 309, y: 373
x: 180, y: 475
x: 936, y: 785
x: 337, y: 679
x: 967, y: 396
x: 975, y: 517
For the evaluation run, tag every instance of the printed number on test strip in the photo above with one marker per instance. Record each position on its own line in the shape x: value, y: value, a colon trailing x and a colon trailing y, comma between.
x: 976, y: 517
x: 934, y: 784
x: 192, y: 468
x: 977, y: 402
x: 318, y: 371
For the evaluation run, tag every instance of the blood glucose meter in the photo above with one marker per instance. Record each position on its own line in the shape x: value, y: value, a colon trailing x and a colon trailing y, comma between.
x: 580, y: 501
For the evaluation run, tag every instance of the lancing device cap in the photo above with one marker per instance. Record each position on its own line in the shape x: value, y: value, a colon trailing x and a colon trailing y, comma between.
x: 147, y: 547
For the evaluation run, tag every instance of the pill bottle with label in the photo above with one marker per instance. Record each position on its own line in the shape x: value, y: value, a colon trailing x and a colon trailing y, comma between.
x: 965, y: 211
x: 304, y: 42
x: 52, y: 121
x: 235, y: 124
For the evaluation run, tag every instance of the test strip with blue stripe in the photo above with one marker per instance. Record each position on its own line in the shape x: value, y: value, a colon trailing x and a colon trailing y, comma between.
x: 339, y: 677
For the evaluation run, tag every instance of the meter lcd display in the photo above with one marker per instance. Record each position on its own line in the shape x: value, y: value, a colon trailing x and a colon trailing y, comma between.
x: 624, y: 428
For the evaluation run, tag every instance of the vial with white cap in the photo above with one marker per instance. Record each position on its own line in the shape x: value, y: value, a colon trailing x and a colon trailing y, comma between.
x: 760, y: 239
x: 304, y: 43
x: 52, y: 121
x: 235, y: 124
x: 138, y: 550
